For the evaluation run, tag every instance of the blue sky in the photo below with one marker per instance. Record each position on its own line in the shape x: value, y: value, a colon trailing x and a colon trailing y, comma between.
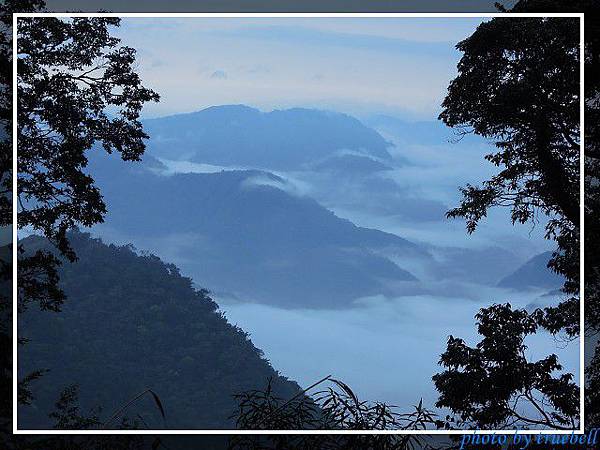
x: 361, y: 66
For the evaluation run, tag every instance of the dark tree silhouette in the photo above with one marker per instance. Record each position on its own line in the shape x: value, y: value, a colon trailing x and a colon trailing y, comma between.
x: 6, y: 84
x: 77, y: 90
x: 518, y: 85
x: 591, y: 8
x: 488, y: 385
x: 77, y: 87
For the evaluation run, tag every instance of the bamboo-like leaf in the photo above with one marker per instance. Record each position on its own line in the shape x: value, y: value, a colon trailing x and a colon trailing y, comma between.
x: 158, y: 403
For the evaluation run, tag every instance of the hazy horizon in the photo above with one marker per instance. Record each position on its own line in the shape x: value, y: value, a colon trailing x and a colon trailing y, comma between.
x: 353, y: 65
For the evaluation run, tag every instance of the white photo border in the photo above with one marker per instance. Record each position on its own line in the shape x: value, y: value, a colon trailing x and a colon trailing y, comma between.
x: 581, y: 430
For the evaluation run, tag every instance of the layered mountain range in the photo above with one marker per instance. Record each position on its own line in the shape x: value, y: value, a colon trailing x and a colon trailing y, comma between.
x: 254, y: 234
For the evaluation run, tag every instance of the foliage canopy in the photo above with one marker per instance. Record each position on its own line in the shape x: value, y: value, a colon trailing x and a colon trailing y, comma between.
x: 518, y: 85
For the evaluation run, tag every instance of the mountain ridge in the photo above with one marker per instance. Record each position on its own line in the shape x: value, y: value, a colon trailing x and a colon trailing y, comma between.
x: 278, y: 139
x: 534, y: 273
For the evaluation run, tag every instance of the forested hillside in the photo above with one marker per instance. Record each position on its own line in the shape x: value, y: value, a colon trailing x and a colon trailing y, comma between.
x: 132, y: 322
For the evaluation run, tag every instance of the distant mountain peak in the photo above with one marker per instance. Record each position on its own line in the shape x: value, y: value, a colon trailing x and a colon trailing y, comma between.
x: 233, y: 108
x: 533, y: 274
x: 239, y: 135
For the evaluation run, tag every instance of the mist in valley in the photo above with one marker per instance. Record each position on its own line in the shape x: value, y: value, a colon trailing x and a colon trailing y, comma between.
x: 386, y: 342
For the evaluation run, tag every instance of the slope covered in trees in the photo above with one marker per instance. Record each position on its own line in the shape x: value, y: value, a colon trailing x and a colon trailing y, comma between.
x: 132, y: 322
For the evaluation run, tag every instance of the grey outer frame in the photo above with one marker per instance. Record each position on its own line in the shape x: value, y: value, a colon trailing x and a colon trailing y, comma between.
x: 276, y: 5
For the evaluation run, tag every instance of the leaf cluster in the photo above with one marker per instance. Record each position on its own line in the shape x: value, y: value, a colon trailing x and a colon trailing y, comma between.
x: 335, y: 407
